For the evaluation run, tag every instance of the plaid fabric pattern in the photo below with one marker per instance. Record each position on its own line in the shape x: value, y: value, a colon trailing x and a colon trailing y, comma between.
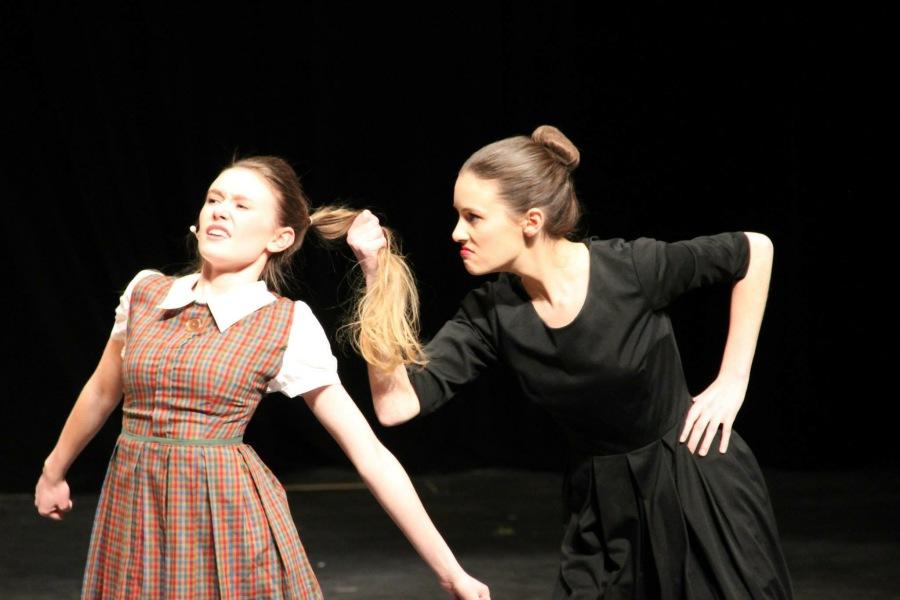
x: 190, y: 521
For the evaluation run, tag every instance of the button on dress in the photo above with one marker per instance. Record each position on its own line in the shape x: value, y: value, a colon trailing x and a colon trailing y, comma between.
x: 648, y: 519
x: 186, y: 509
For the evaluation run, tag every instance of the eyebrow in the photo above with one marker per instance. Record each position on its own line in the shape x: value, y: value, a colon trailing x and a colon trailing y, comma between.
x: 468, y: 208
x: 237, y: 197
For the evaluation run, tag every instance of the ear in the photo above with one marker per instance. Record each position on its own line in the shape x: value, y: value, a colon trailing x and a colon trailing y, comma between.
x: 281, y: 241
x: 532, y: 222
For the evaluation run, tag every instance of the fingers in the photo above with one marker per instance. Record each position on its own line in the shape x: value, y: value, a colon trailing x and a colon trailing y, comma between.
x: 711, y: 429
x: 713, y: 410
x: 689, y: 421
x: 699, y: 428
x: 696, y: 424
x: 726, y: 436
x: 367, y: 222
x: 366, y: 234
x: 688, y: 425
x: 55, y: 513
x: 707, y: 429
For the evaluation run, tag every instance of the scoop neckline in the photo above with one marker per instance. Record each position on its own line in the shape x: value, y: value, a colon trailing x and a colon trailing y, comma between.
x: 584, y: 304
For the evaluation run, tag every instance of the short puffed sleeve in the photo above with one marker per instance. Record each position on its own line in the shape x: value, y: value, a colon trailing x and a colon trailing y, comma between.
x: 460, y: 351
x: 668, y: 269
x: 308, y: 362
x: 120, y: 325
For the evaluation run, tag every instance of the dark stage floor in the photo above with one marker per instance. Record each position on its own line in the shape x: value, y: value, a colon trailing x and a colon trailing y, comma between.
x: 840, y: 531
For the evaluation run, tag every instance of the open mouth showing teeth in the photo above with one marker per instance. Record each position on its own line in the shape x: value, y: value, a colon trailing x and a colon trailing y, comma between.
x: 216, y: 233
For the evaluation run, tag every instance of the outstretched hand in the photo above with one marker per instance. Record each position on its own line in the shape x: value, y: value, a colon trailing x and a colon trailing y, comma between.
x: 366, y: 237
x: 51, y: 498
x: 465, y: 587
x: 717, y: 406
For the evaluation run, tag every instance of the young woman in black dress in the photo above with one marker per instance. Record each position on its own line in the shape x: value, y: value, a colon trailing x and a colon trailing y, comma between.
x: 666, y: 499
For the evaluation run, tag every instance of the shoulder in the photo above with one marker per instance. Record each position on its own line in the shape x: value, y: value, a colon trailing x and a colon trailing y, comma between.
x: 142, y: 275
x: 611, y: 247
x: 142, y: 281
x: 484, y: 299
x: 304, y: 321
x: 301, y: 309
x: 615, y: 254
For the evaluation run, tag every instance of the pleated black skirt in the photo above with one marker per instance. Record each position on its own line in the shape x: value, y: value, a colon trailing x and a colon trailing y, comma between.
x: 660, y: 523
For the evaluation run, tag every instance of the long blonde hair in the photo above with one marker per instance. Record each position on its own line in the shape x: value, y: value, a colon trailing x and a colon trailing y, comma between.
x: 384, y: 322
x: 383, y: 325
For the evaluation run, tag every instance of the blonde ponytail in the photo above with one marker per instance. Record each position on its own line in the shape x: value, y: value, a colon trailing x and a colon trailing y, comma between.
x: 384, y: 321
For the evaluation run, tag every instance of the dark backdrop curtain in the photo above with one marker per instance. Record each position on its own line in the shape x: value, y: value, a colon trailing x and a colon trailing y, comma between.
x: 690, y: 121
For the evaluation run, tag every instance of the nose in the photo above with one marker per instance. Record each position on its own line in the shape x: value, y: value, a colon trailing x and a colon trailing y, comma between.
x: 220, y: 210
x: 460, y: 235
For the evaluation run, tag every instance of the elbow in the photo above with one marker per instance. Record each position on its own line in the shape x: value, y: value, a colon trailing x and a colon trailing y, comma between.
x: 761, y: 248
x: 759, y: 240
x: 103, y: 395
x: 386, y: 419
x: 392, y: 413
x: 389, y: 418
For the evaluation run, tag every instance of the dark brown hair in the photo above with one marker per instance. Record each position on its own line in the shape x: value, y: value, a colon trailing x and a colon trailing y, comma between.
x: 534, y: 172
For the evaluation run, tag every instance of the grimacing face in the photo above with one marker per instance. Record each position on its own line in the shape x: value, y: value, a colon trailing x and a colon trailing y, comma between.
x: 489, y: 236
x: 238, y: 223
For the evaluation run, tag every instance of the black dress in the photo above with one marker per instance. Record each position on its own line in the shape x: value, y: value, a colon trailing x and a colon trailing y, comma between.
x: 649, y: 519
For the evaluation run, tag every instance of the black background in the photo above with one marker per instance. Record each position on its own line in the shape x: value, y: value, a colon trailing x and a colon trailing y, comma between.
x: 690, y: 121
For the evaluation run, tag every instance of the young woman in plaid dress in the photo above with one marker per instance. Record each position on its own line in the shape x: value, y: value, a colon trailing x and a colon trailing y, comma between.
x: 187, y: 510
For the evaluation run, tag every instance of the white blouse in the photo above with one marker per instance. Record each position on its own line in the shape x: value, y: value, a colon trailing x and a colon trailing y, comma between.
x: 308, y: 362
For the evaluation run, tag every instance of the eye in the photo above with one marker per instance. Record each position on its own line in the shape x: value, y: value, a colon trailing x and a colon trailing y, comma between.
x: 211, y: 200
x: 471, y: 218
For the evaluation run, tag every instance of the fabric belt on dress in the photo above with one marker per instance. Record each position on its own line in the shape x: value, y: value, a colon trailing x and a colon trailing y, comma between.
x: 184, y: 441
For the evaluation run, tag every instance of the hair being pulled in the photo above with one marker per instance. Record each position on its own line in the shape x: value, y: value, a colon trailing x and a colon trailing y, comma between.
x: 383, y: 325
x: 384, y: 321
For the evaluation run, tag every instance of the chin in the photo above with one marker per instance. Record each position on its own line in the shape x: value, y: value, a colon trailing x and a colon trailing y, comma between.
x: 222, y: 261
x: 212, y: 258
x: 473, y: 270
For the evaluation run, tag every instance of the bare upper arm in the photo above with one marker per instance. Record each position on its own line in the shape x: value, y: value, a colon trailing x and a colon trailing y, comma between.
x: 106, y: 380
x: 338, y: 413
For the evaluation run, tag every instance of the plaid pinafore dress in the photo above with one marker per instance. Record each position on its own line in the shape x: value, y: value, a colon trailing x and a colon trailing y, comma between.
x: 187, y: 510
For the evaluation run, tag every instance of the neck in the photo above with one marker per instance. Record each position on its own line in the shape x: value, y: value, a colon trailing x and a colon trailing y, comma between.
x: 550, y: 270
x: 218, y: 280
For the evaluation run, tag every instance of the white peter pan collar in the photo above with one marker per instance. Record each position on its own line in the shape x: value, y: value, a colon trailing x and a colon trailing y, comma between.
x: 227, y: 308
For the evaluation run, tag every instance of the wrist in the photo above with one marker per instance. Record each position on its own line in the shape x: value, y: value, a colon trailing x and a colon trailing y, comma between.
x: 370, y: 278
x: 735, y: 375
x: 51, y: 471
x: 450, y: 571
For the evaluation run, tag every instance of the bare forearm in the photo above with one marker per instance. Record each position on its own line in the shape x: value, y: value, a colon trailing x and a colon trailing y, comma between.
x: 90, y: 412
x: 393, y: 395
x: 394, y: 491
x: 748, y: 303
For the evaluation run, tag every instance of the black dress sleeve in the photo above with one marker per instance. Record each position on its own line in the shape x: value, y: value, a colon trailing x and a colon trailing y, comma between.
x: 458, y: 353
x: 668, y: 269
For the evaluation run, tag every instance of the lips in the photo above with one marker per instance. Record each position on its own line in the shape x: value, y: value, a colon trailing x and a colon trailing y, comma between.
x: 217, y: 232
x: 464, y: 252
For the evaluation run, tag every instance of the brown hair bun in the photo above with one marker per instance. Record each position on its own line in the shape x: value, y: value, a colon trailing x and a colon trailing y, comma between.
x: 558, y: 145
